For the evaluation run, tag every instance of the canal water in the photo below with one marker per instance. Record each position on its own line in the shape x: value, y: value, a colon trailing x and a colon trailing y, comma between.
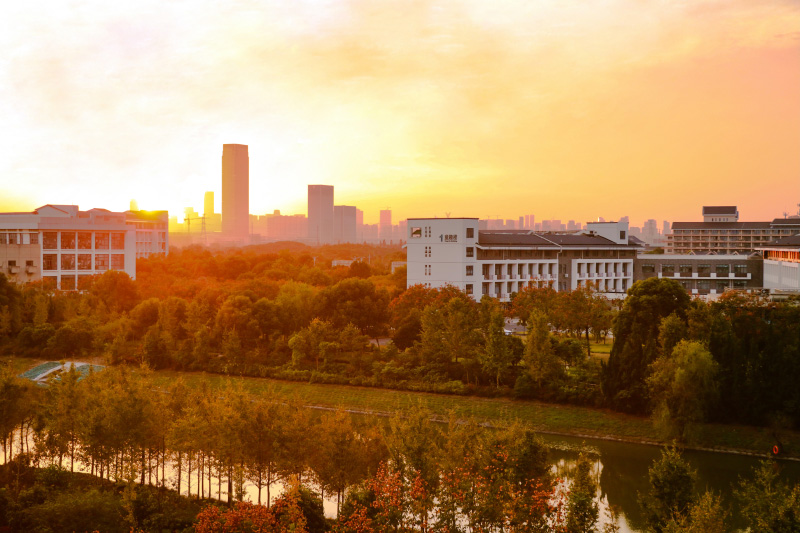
x: 621, y: 470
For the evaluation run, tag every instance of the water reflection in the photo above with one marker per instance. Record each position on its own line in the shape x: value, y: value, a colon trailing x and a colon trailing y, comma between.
x: 623, y: 472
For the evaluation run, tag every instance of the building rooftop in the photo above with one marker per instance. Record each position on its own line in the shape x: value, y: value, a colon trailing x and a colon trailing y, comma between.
x: 719, y: 210
x: 529, y: 238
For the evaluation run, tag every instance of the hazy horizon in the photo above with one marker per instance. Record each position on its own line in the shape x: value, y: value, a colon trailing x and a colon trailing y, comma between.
x: 562, y: 111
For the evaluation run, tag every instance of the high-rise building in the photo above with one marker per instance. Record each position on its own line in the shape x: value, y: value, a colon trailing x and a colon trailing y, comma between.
x: 208, y: 203
x: 235, y: 190
x: 344, y: 223
x: 320, y: 214
x: 385, y: 227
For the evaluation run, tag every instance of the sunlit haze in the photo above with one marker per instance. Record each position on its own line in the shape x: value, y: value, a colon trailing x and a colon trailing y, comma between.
x: 566, y: 110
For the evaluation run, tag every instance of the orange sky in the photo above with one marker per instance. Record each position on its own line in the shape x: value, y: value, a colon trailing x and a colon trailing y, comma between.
x: 568, y: 110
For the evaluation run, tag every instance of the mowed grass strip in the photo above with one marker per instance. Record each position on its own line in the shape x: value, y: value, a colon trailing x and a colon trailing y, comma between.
x: 564, y: 419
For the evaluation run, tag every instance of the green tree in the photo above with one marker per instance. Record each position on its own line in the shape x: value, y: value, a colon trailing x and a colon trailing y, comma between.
x: 450, y: 331
x: 683, y: 385
x: 582, y: 509
x: 497, y: 356
x: 706, y: 515
x: 767, y: 504
x: 543, y: 365
x: 635, y: 347
x: 671, y: 490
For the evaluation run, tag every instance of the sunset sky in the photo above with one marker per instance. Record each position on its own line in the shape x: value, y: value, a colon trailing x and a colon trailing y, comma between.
x: 562, y: 109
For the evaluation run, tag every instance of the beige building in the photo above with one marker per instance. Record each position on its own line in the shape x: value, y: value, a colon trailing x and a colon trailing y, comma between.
x: 64, y: 246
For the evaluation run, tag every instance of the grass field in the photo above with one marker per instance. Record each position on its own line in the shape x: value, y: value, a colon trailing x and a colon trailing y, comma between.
x: 564, y: 419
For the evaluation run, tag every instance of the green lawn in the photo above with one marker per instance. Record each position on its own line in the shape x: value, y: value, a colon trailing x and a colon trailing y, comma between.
x: 570, y: 420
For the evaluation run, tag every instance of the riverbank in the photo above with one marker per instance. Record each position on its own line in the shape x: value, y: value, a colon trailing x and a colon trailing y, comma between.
x: 569, y: 420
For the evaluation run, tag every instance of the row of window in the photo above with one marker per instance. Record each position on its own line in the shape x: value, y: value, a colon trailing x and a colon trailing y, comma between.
x: 82, y: 240
x: 702, y: 270
x: 83, y: 261
x: 427, y: 270
x: 19, y: 238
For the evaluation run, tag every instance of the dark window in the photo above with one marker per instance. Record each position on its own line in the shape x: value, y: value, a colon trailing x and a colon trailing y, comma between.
x: 622, y: 235
x: 84, y: 240
x: 49, y: 262
x: 470, y: 233
x: 469, y: 270
x: 117, y: 241
x: 84, y: 261
x: 29, y: 263
x: 118, y: 261
x: 101, y: 262
x: 721, y: 286
x: 101, y: 241
x: 13, y: 238
x: 12, y: 263
x: 469, y: 288
x: 67, y: 261
x: 49, y: 240
x: 34, y: 238
x: 685, y: 270
x: 648, y: 269
x: 470, y: 251
x: 3, y: 238
x: 67, y: 240
x: 704, y: 270
x: 667, y: 270
x: 740, y: 270
x: 723, y: 270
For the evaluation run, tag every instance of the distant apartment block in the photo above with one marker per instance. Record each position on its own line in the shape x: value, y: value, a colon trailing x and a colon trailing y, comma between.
x: 722, y: 233
x: 498, y: 263
x: 704, y: 274
x: 235, y: 191
x: 344, y: 223
x: 320, y: 214
x: 64, y: 246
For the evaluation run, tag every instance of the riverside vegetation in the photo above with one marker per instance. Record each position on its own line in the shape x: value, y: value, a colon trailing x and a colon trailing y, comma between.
x: 140, y: 446
x: 272, y: 312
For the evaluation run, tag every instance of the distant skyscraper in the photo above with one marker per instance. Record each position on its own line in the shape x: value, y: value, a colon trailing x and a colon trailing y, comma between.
x: 208, y: 204
x: 385, y: 227
x: 235, y: 190
x: 320, y: 214
x: 666, y: 227
x: 344, y: 223
x: 521, y: 223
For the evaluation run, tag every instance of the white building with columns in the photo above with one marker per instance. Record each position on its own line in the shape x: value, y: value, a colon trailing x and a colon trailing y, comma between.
x: 498, y: 263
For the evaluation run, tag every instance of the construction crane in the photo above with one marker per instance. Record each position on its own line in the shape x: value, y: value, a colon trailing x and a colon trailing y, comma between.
x: 202, y: 219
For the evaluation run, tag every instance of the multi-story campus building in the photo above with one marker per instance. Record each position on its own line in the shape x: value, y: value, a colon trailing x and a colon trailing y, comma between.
x: 703, y: 275
x: 63, y: 246
x: 722, y: 233
x: 782, y: 264
x: 453, y: 251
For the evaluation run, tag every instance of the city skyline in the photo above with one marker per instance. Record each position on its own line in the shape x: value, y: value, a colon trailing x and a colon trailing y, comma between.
x: 602, y: 110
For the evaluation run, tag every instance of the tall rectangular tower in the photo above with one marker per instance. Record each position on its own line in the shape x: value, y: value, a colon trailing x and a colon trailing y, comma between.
x: 235, y: 190
x: 208, y: 204
x: 385, y: 227
x: 344, y: 218
x: 320, y: 214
